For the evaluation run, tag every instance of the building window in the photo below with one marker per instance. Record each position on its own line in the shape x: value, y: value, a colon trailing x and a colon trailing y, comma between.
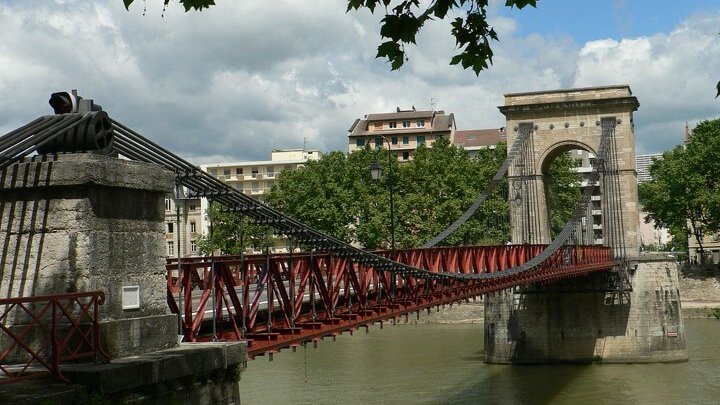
x: 255, y: 172
x: 255, y: 186
x: 406, y: 155
x: 193, y: 227
x: 192, y: 207
x: 171, y: 248
x: 420, y: 139
x: 406, y: 124
x: 169, y: 227
x: 271, y: 171
x: 168, y: 204
x: 359, y: 142
x: 238, y: 170
x: 287, y: 167
x: 392, y: 124
x: 378, y: 142
x: 420, y: 123
x: 193, y: 246
x: 213, y: 172
x: 393, y: 140
x: 406, y: 140
x: 226, y: 172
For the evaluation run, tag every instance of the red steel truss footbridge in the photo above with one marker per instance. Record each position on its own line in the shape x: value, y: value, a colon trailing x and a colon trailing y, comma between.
x: 284, y: 300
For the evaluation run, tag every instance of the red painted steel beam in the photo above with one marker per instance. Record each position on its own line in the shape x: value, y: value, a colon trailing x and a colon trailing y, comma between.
x: 305, y: 297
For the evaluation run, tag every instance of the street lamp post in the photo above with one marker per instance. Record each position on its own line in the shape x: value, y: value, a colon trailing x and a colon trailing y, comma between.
x: 375, y: 171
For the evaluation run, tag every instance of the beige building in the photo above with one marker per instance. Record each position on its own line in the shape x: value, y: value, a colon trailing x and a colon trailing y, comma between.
x: 180, y: 236
x: 255, y: 178
x: 252, y: 178
x: 711, y: 246
x: 404, y: 130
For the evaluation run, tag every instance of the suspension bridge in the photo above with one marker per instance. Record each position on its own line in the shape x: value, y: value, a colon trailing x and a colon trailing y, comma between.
x: 283, y: 300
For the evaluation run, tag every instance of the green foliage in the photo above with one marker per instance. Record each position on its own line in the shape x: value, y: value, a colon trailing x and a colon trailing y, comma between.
x: 197, y: 5
x: 331, y: 195
x: 716, y: 313
x: 337, y: 196
x: 232, y: 233
x: 404, y: 19
x: 562, y: 191
x: 439, y: 184
x: 684, y: 195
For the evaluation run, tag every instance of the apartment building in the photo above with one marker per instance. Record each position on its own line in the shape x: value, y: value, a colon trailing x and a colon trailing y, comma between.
x: 181, y: 236
x: 591, y: 224
x: 257, y: 177
x: 642, y: 166
x: 403, y: 131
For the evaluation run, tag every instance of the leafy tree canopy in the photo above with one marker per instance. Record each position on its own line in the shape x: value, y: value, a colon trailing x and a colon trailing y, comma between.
x: 684, y: 195
x: 562, y: 191
x: 232, y: 234
x: 336, y: 195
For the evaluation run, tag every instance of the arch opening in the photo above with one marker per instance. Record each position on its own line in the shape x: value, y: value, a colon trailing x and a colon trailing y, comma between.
x: 566, y: 170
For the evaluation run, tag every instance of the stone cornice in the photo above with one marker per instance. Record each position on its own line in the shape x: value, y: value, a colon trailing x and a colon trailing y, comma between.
x: 630, y: 102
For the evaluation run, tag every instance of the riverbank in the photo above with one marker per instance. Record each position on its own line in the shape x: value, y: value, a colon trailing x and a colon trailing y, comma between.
x: 699, y: 290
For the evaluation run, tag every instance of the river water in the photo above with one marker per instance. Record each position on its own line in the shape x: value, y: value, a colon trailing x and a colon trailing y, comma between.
x: 443, y: 364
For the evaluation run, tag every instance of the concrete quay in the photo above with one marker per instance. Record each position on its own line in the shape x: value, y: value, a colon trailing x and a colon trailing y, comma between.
x: 192, y: 373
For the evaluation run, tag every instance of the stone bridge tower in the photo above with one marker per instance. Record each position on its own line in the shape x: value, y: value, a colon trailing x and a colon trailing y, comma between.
x: 563, y: 120
x: 585, y: 319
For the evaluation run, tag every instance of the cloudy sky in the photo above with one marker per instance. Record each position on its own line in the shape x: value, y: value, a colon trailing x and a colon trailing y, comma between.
x: 235, y: 81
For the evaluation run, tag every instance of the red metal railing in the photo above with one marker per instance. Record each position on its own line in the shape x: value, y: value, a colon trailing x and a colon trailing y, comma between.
x: 283, y: 300
x: 46, y: 331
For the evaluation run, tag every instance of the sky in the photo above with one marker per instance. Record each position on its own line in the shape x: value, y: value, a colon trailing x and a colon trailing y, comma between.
x: 234, y: 82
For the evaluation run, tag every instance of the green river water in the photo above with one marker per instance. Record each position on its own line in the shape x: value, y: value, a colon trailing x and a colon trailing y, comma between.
x: 443, y: 364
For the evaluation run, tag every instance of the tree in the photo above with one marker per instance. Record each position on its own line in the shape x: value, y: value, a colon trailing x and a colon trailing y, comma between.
x: 336, y: 195
x: 232, y: 233
x: 562, y: 191
x: 684, y: 194
x: 404, y: 19
x: 332, y: 195
x: 436, y: 188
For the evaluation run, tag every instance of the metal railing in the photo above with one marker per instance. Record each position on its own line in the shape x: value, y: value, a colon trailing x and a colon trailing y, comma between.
x: 46, y: 331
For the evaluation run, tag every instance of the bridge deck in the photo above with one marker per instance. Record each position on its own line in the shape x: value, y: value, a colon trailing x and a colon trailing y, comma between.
x: 282, y: 300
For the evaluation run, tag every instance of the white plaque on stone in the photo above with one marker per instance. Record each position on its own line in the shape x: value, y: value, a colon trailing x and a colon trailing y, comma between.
x: 130, y: 297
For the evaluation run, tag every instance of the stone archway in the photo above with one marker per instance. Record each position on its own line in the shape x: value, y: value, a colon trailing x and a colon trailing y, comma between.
x: 557, y: 120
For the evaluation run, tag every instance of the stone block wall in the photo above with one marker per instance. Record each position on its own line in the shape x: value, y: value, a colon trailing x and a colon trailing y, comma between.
x: 581, y: 320
x: 83, y: 222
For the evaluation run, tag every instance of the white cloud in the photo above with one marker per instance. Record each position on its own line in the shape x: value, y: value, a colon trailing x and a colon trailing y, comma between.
x: 673, y: 76
x: 253, y: 77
